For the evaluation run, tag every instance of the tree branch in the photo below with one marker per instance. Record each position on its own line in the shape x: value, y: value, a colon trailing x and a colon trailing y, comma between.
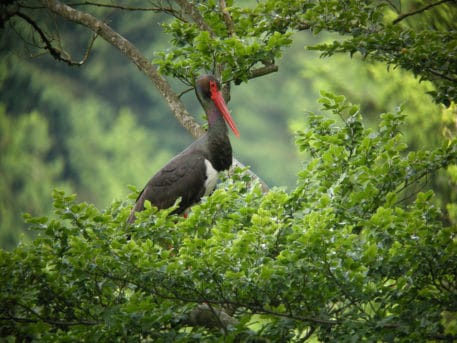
x: 170, y: 10
x: 49, y: 321
x: 420, y: 10
x: 443, y: 76
x: 254, y: 73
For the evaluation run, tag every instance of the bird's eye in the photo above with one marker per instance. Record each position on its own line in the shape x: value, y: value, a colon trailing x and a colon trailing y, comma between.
x: 213, y: 87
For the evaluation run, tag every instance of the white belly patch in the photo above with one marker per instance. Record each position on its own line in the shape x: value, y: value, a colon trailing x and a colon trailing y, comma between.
x: 211, y: 178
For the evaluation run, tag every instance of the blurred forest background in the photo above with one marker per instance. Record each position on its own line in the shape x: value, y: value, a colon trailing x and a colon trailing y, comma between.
x: 96, y: 129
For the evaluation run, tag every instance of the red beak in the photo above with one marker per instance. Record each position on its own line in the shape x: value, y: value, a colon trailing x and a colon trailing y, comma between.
x: 216, y: 96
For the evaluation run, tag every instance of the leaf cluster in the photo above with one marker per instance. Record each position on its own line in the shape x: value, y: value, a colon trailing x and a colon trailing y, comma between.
x: 232, y: 41
x: 235, y: 40
x: 344, y: 256
x: 428, y: 52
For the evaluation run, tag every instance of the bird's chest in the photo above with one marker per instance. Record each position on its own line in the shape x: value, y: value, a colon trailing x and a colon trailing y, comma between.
x: 211, y: 178
x: 220, y: 154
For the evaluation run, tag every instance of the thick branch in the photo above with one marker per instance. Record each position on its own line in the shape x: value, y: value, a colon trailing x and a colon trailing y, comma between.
x: 265, y: 70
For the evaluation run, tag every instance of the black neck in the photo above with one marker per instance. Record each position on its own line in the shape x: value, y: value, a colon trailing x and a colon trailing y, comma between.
x: 219, y: 146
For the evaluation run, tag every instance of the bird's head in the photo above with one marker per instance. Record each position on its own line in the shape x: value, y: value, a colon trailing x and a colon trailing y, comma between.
x: 208, y: 90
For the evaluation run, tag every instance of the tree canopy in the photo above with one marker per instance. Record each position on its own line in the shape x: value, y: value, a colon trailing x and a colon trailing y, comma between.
x: 362, y: 247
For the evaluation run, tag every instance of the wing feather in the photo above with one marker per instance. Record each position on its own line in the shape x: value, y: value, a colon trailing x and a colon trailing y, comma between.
x: 183, y: 177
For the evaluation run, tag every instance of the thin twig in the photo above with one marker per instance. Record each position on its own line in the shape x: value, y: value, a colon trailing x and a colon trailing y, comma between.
x: 89, y: 48
x: 185, y: 91
x: 170, y: 10
x: 116, y: 6
x: 49, y: 321
x: 432, y: 71
x: 420, y: 10
x: 48, y: 45
x: 109, y: 5
x: 57, y: 53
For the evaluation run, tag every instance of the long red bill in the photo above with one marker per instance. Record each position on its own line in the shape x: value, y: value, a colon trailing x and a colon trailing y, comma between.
x: 216, y: 96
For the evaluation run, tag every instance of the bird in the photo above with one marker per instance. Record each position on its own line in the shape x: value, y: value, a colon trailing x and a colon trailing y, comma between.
x: 193, y: 173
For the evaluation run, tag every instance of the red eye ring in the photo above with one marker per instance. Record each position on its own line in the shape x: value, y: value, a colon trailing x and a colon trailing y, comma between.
x: 214, y: 89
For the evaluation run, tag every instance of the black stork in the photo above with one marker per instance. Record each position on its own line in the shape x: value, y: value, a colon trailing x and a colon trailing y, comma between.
x: 193, y: 173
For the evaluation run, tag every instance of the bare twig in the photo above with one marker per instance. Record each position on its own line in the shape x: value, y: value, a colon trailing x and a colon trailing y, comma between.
x: 185, y: 91
x: 170, y: 10
x: 89, y: 48
x: 420, y: 10
x: 58, y: 54
x: 116, y: 6
x: 55, y: 52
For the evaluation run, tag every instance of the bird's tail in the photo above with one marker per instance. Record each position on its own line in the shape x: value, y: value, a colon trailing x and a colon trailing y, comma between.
x: 132, y: 217
x: 139, y: 206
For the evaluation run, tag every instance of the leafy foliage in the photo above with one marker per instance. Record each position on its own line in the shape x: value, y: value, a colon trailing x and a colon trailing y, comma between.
x: 239, y: 42
x: 429, y: 52
x: 239, y: 39
x: 344, y: 256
